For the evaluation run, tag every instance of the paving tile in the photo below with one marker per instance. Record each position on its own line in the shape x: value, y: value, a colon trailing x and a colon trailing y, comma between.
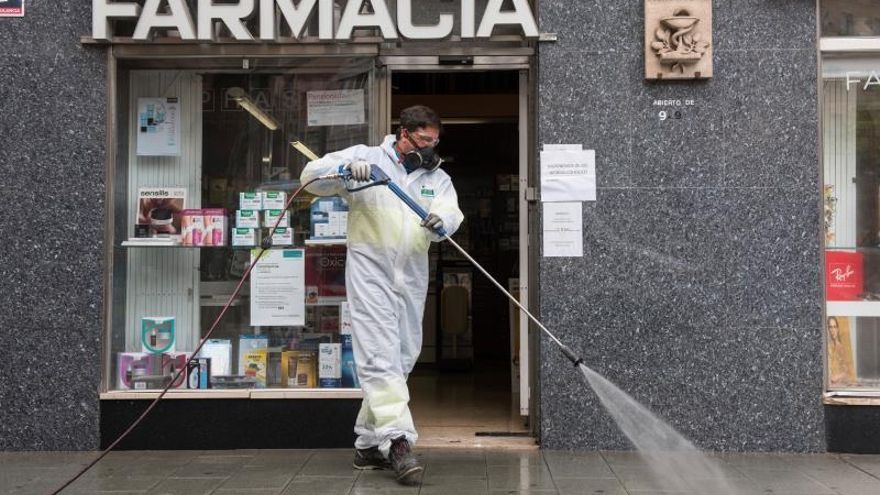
x: 781, y: 481
x: 455, y: 469
x: 595, y: 486
x: 500, y: 458
x: 96, y: 485
x: 186, y: 486
x: 520, y: 477
x: 320, y: 485
x: 235, y: 491
x: 457, y: 486
x: 205, y: 469
x: 577, y: 465
x: 259, y: 478
x: 324, y: 466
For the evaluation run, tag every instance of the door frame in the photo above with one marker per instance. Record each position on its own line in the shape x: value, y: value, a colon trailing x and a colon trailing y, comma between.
x: 528, y: 251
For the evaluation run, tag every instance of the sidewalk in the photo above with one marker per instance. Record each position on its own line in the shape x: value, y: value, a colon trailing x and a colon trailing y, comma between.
x: 455, y: 472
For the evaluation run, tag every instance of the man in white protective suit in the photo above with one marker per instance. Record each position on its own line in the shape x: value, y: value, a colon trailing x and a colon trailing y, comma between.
x: 386, y: 277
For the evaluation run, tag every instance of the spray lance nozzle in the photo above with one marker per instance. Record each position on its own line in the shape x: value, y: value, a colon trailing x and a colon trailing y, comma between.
x: 574, y: 358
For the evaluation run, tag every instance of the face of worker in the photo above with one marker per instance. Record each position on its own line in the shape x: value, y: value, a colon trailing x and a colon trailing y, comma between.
x: 422, y: 137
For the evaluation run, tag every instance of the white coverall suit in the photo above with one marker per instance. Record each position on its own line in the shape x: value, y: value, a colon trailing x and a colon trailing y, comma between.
x: 386, y: 277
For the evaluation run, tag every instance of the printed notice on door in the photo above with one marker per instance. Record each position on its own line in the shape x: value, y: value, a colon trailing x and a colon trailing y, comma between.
x: 158, y: 127
x: 336, y: 107
x: 563, y: 230
x: 278, y: 288
x: 568, y: 174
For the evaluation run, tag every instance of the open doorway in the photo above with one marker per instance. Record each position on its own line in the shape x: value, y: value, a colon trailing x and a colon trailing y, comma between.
x: 465, y: 388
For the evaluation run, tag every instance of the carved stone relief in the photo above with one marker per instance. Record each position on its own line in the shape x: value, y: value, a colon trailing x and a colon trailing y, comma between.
x: 678, y: 39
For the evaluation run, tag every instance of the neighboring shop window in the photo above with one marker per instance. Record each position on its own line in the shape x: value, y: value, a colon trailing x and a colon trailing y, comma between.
x: 850, y: 18
x: 210, y: 161
x: 851, y: 144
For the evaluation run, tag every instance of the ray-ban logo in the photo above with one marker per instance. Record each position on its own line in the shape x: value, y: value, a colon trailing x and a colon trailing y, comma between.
x: 842, y: 272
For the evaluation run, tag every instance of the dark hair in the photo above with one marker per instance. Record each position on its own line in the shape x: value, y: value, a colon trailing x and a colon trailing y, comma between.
x: 416, y: 117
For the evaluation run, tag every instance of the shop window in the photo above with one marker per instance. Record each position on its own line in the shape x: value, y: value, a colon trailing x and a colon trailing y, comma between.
x: 850, y: 18
x: 206, y: 159
x: 851, y: 127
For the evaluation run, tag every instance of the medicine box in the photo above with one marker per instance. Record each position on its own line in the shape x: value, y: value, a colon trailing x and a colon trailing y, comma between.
x: 330, y: 365
x: 250, y: 200
x: 216, y: 226
x: 271, y: 216
x: 192, y: 224
x: 283, y: 236
x: 274, y: 200
x: 247, y: 219
x: 329, y: 218
x: 245, y: 237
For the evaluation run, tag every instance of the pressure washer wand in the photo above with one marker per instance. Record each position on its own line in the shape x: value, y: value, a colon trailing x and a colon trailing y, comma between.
x: 379, y: 177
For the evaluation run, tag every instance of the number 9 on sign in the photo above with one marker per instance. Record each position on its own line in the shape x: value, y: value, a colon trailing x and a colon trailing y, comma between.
x: 662, y: 115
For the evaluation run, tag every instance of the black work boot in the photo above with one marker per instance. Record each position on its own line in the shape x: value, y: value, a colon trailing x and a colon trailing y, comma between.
x: 406, y: 466
x: 371, y: 458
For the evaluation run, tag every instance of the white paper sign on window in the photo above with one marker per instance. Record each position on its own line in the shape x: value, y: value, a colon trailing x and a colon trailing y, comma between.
x: 336, y: 107
x: 568, y: 174
x: 563, y: 230
x: 278, y: 288
x: 158, y: 127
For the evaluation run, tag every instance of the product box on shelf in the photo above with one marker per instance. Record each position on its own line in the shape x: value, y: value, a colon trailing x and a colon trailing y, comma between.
x: 274, y: 200
x: 216, y: 226
x: 249, y: 343
x: 844, y: 275
x: 299, y: 369
x: 329, y: 218
x: 274, y: 376
x: 198, y: 372
x: 219, y: 352
x: 311, y: 341
x: 282, y: 236
x: 255, y: 363
x: 247, y: 219
x: 349, y: 370
x: 325, y: 273
x: 159, y: 210
x: 271, y: 216
x: 344, y: 318
x: 245, y: 237
x: 193, y: 227
x: 130, y: 365
x: 250, y: 201
x: 330, y: 365
x: 157, y: 334
x: 171, y: 363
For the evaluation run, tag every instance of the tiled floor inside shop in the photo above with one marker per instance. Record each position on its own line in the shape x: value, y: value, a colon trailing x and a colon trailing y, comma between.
x: 456, y: 472
x: 472, y: 409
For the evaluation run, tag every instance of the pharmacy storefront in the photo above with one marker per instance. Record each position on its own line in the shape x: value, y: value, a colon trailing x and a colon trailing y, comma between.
x: 217, y: 109
x: 681, y: 190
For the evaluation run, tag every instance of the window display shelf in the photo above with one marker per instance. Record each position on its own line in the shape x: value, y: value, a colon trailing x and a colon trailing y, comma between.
x: 278, y: 393
x: 853, y: 308
x: 852, y: 398
x: 326, y: 242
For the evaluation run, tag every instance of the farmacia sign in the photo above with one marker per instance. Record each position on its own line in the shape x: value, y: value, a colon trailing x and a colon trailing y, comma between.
x: 157, y: 15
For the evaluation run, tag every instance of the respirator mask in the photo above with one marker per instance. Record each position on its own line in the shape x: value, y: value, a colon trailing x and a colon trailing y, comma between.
x: 422, y: 157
